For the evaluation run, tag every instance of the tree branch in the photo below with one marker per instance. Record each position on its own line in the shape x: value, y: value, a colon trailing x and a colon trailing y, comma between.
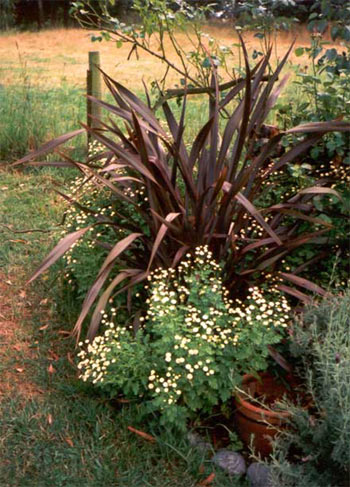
x: 176, y: 92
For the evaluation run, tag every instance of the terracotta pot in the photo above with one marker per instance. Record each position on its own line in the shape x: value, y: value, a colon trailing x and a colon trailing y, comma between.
x: 252, y: 418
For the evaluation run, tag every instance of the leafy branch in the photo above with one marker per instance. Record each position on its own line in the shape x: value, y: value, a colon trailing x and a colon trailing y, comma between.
x: 158, y: 25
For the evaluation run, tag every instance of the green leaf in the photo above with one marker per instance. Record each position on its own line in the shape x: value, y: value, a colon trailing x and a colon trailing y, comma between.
x: 335, y: 32
x: 94, y: 38
x: 106, y: 36
x: 326, y: 218
x: 321, y: 26
x: 208, y: 61
x: 331, y: 54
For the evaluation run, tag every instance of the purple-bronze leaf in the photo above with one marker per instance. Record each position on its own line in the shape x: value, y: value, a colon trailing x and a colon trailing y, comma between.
x: 118, y: 249
x: 160, y: 235
x: 257, y: 216
x: 305, y: 283
x: 60, y: 249
x: 102, y: 302
x: 49, y: 146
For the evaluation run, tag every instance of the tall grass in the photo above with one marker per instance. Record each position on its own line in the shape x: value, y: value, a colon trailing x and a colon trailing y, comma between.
x: 30, y: 116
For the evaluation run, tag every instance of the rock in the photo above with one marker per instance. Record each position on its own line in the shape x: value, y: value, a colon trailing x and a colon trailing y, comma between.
x: 197, y: 441
x: 230, y: 461
x: 258, y: 475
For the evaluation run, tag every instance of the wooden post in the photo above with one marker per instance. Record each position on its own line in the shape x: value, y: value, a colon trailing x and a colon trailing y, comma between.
x: 93, y: 89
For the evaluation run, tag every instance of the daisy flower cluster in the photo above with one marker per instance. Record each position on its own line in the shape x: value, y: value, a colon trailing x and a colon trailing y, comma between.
x: 194, y: 342
x: 94, y: 199
x: 117, y: 361
x: 95, y: 203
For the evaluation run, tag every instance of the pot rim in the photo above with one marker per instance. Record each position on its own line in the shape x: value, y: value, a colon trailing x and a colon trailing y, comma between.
x: 256, y: 409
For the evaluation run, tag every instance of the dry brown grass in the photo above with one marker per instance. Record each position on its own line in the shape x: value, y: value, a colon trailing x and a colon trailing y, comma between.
x: 53, y: 56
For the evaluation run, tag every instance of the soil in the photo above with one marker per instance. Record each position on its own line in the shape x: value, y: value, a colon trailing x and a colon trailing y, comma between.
x: 15, y: 312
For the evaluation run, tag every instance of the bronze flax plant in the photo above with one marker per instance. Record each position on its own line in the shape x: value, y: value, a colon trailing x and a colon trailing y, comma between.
x: 204, y: 196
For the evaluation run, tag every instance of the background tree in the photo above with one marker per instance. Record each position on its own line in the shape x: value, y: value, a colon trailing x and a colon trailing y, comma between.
x: 7, y: 14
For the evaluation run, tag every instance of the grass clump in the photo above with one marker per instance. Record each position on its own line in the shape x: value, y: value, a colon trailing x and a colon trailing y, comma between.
x: 30, y: 116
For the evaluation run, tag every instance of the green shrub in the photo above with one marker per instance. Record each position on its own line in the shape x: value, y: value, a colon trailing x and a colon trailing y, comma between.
x: 314, y: 452
x: 322, y: 93
x: 327, y: 258
x: 191, y: 347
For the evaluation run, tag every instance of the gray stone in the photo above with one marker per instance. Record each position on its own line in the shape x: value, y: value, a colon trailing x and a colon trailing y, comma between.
x: 197, y: 441
x: 258, y: 475
x: 230, y: 461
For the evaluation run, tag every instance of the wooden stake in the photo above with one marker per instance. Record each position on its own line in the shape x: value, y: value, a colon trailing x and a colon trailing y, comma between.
x: 93, y: 81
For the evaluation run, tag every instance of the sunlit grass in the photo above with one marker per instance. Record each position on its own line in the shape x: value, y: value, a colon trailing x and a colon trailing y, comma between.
x: 67, y: 52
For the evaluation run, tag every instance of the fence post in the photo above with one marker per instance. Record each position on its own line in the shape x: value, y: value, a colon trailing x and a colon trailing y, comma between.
x: 93, y: 89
